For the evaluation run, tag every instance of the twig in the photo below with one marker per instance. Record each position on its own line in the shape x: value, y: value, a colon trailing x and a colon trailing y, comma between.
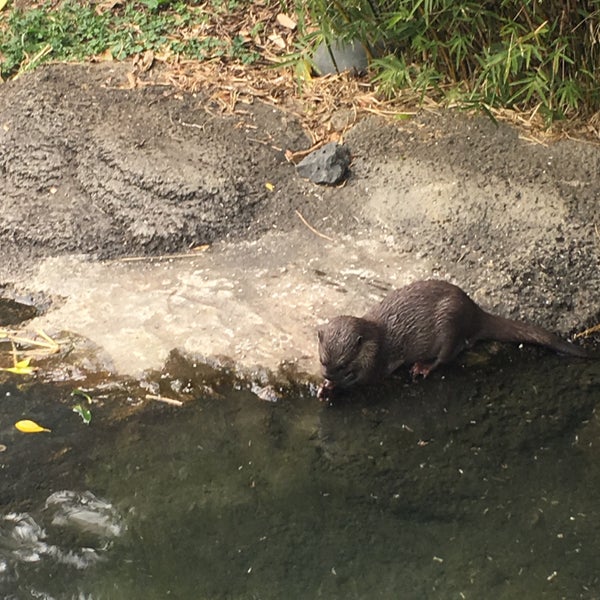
x: 164, y: 399
x: 587, y: 332
x: 325, y: 237
x: 49, y: 343
x: 160, y: 257
x: 276, y: 148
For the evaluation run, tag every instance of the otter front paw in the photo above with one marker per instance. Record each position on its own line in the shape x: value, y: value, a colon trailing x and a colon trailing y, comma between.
x: 326, y: 390
x: 420, y: 368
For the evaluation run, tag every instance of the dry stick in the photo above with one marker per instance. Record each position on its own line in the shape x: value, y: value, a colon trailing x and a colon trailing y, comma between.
x: 587, y: 332
x: 164, y: 399
x: 14, y: 353
x: 160, y: 257
x: 50, y: 344
x: 325, y: 237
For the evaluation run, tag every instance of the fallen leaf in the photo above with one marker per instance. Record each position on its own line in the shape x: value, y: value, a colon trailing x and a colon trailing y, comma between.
x: 144, y: 61
x: 3, y: 4
x: 78, y: 392
x: 84, y: 413
x: 106, y: 56
x: 20, y: 368
x: 131, y: 80
x: 27, y: 426
x: 286, y: 21
x: 107, y: 6
x: 277, y: 40
x: 269, y: 186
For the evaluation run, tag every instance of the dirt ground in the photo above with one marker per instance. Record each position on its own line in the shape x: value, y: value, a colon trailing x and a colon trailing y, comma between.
x: 92, y: 167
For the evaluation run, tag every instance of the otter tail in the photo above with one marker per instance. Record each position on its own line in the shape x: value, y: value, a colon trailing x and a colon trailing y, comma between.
x: 507, y: 330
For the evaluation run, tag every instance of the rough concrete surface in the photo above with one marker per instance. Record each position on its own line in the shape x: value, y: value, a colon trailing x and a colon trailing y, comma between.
x: 94, y: 173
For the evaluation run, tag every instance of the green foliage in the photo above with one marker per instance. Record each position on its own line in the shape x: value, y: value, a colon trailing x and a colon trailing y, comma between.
x: 76, y: 31
x: 512, y: 53
x: 156, y: 5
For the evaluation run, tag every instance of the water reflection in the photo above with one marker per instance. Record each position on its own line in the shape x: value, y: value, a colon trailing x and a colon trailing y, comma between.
x: 476, y: 483
x: 41, y: 550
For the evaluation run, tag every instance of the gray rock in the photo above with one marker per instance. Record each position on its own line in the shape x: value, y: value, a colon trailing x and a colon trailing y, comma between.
x: 338, y: 56
x: 329, y: 164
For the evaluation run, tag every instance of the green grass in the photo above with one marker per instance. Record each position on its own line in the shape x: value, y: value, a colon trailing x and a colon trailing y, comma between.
x: 522, y: 54
x: 75, y: 31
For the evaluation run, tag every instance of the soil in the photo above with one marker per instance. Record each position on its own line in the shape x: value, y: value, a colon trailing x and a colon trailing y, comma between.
x: 92, y: 167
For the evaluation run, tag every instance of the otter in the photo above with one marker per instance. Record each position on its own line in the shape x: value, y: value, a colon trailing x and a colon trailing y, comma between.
x: 424, y: 324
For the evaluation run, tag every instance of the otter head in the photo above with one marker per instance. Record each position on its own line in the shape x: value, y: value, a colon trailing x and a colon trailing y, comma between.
x: 349, y: 350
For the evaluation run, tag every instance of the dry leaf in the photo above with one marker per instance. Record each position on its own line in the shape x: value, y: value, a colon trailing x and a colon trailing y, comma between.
x: 277, y: 40
x: 106, y: 56
x: 285, y: 21
x: 144, y: 61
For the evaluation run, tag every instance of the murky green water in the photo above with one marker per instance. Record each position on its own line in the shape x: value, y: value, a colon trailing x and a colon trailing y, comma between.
x: 477, y: 483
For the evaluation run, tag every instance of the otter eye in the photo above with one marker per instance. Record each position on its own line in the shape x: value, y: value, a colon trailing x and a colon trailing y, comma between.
x: 358, y: 342
x: 341, y: 367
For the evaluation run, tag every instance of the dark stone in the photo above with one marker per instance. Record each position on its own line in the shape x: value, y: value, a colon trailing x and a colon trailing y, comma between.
x: 329, y: 164
x: 340, y: 56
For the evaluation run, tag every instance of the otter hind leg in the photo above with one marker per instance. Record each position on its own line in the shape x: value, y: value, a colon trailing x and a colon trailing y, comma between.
x: 447, y: 353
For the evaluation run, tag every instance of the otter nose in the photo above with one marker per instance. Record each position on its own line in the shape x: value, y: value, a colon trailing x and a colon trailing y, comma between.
x: 328, y: 373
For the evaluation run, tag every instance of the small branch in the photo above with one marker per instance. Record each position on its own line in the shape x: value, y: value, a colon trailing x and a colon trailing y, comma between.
x: 159, y: 257
x: 587, y: 332
x: 164, y: 399
x: 322, y: 235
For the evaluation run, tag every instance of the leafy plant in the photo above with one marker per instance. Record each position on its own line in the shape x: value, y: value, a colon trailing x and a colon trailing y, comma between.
x: 77, y: 30
x: 515, y: 53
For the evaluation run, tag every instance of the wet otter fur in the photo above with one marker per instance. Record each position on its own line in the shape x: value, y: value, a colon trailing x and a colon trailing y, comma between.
x: 424, y: 324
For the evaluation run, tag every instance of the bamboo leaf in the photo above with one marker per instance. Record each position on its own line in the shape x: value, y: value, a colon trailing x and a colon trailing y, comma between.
x: 84, y: 413
x: 78, y: 392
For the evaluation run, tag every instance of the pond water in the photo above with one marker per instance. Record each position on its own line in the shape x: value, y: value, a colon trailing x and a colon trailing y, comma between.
x: 479, y: 482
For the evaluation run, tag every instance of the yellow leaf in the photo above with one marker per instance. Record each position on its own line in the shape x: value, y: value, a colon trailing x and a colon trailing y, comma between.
x: 269, y: 186
x: 27, y: 426
x: 3, y: 4
x: 21, y: 367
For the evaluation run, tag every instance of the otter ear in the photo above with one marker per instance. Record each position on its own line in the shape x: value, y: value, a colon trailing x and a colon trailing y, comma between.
x: 320, y: 334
